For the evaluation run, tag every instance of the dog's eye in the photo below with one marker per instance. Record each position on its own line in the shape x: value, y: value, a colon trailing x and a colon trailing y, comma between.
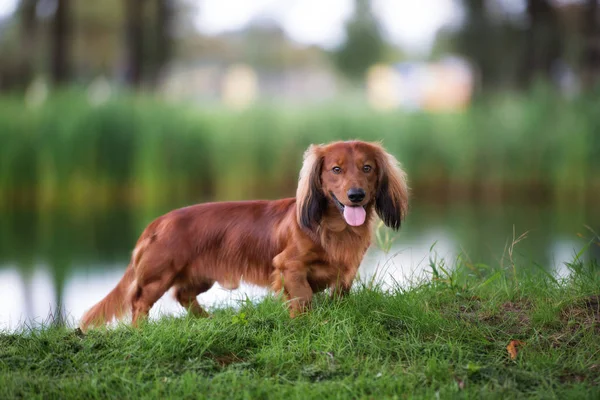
x: 336, y: 170
x: 367, y: 168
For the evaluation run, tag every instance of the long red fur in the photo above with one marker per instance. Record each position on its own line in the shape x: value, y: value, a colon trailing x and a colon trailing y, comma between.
x: 296, y: 246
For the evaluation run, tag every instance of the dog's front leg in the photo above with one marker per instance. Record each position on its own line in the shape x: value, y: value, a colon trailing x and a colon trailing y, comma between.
x: 296, y: 286
x: 341, y: 287
x: 339, y: 291
x: 292, y: 274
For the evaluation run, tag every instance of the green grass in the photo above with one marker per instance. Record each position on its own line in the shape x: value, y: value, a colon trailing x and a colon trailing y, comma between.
x: 143, y: 150
x: 444, y: 338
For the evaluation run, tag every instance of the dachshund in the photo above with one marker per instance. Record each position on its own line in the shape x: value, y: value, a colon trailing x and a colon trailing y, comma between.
x: 295, y: 246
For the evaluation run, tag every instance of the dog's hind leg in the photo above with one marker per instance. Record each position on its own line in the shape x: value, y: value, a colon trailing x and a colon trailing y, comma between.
x: 186, y: 295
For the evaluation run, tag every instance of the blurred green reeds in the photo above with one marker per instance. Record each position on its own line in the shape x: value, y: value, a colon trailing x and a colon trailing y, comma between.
x: 142, y: 149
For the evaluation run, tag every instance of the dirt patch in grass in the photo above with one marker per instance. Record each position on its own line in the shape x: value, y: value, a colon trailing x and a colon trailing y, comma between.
x: 570, y: 377
x: 468, y: 309
x: 591, y: 376
x: 519, y: 310
x: 512, y: 316
x: 583, y: 314
x: 577, y: 318
x: 224, y: 360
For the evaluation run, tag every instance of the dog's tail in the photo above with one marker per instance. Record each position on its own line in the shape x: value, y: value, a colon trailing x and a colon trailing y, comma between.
x: 118, y: 302
x: 114, y: 305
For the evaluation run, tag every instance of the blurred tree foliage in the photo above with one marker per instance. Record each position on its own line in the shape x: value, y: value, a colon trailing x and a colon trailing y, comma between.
x: 364, y: 45
x: 546, y: 40
x: 27, y: 32
x: 60, y: 40
x: 490, y: 44
x: 590, y: 57
x: 75, y: 40
x: 510, y: 44
x: 543, y: 42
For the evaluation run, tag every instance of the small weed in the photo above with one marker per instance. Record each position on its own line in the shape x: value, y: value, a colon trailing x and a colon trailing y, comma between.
x: 239, y: 319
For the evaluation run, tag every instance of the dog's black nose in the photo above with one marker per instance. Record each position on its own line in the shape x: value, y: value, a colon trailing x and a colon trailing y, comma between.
x: 356, y: 195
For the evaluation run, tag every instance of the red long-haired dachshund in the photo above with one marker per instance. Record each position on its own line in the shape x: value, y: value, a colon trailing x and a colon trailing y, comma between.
x: 298, y: 245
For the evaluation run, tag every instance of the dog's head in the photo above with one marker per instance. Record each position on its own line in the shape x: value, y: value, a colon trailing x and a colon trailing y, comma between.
x: 353, y: 176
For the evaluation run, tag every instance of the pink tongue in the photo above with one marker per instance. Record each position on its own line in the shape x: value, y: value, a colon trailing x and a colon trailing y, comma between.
x: 354, y: 216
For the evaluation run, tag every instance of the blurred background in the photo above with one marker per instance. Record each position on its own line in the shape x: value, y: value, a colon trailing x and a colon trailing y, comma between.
x: 113, y: 112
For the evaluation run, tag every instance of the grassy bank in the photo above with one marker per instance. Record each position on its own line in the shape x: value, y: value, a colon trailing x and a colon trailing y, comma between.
x: 138, y: 149
x: 445, y: 337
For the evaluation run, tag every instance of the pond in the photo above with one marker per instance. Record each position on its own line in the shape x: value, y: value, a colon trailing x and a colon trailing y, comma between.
x: 75, y: 258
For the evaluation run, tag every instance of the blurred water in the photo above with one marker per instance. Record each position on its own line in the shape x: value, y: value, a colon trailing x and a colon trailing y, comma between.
x: 75, y: 259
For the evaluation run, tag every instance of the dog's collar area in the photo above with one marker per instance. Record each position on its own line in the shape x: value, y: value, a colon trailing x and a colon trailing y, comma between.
x: 340, y: 205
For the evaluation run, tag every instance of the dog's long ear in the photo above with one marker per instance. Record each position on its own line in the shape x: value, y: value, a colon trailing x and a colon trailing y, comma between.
x: 310, y: 200
x: 391, y: 199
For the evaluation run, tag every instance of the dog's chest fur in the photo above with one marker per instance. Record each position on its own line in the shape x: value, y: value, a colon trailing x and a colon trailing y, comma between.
x: 338, y: 257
